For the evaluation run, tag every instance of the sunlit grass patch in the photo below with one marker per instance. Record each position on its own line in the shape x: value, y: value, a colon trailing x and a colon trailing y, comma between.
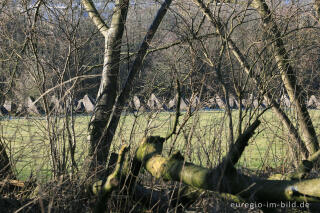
x: 204, y: 139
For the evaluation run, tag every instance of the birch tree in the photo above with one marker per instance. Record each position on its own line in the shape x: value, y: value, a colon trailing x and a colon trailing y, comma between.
x: 110, y: 103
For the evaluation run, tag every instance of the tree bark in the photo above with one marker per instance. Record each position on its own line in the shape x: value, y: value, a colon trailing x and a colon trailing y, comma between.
x: 96, y: 18
x: 102, y: 127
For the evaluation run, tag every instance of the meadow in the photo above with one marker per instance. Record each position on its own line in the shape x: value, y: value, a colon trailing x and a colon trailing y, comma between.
x: 203, y: 140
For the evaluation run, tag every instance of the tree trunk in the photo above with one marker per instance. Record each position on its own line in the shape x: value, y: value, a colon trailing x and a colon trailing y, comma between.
x: 102, y: 127
x: 124, y: 95
x: 99, y: 148
x: 288, y: 75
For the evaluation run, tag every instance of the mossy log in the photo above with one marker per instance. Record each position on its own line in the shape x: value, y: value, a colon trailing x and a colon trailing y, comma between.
x: 230, y: 181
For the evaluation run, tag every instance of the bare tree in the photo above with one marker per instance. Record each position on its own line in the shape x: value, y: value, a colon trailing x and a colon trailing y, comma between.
x: 102, y: 126
x: 109, y: 83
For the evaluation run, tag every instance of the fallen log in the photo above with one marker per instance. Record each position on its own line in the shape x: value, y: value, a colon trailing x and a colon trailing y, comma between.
x: 224, y: 178
x: 227, y: 181
x: 9, y: 185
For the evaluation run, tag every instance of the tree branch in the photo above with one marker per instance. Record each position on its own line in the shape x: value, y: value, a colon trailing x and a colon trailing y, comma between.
x: 112, y: 182
x: 95, y: 16
x: 238, y: 147
x: 175, y: 168
x: 181, y: 196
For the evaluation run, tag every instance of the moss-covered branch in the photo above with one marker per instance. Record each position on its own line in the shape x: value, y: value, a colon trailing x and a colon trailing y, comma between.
x: 175, y: 168
x: 305, y: 167
x: 104, y: 190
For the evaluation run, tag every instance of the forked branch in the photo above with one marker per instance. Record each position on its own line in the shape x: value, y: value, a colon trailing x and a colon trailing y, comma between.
x: 95, y: 16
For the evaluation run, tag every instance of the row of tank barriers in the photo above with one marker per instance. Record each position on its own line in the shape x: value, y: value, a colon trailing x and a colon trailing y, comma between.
x: 87, y: 103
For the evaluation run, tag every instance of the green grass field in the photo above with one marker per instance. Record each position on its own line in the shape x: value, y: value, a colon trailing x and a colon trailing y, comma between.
x: 202, y: 141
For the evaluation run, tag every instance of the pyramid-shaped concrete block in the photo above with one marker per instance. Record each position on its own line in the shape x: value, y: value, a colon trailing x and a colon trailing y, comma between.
x: 313, y: 102
x: 211, y: 104
x: 88, y: 103
x: 233, y: 102
x: 55, y: 104
x: 154, y: 103
x: 220, y: 102
x: 173, y: 103
x: 79, y: 106
x: 33, y: 108
x: 194, y: 101
x: 10, y: 106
